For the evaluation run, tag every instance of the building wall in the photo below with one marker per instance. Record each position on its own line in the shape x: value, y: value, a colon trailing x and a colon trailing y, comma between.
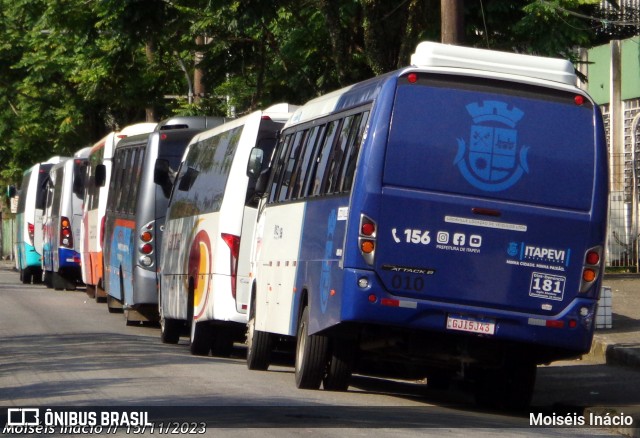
x: 599, y: 71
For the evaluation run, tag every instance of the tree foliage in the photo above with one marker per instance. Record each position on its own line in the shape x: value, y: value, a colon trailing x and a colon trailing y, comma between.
x: 73, y: 70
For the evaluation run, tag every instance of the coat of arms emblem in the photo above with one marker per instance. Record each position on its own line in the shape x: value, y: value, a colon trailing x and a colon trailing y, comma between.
x: 492, y: 161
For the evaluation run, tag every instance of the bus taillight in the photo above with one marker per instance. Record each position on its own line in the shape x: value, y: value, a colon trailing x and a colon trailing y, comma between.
x: 146, y: 244
x: 367, y: 239
x: 66, y: 236
x: 233, y: 242
x: 31, y: 229
x: 591, y: 268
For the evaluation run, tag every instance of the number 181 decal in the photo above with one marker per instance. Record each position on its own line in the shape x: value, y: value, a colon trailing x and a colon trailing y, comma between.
x: 547, y: 286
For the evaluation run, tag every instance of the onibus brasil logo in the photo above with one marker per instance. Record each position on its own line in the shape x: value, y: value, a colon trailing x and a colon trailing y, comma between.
x: 492, y: 161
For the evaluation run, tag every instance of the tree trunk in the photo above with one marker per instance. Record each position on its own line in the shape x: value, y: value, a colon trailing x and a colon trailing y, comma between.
x: 198, y: 74
x: 150, y: 50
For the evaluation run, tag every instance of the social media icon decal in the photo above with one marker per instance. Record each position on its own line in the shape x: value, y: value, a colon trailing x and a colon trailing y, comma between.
x: 442, y: 237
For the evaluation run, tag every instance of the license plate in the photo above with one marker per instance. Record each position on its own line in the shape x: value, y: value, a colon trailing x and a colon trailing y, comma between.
x: 466, y: 324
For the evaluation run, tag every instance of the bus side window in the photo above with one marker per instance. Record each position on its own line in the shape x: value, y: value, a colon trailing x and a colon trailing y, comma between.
x: 288, y: 179
x: 278, y: 166
x: 314, y: 139
x: 119, y: 184
x: 337, y: 158
x: 349, y: 166
x: 128, y: 182
x: 323, y: 158
x: 114, y: 175
x: 136, y: 162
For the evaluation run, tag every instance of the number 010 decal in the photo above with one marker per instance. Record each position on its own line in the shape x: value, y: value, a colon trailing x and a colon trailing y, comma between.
x: 547, y: 286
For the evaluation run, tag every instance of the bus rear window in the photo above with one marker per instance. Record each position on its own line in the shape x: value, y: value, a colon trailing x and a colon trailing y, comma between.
x: 492, y: 139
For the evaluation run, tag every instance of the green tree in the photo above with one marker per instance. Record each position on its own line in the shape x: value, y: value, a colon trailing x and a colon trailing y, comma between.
x: 72, y: 70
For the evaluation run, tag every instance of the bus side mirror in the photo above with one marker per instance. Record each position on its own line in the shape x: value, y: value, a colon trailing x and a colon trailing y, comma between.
x: 163, y: 176
x: 257, y: 173
x: 255, y: 163
x: 11, y: 191
x: 187, y: 180
x: 101, y: 175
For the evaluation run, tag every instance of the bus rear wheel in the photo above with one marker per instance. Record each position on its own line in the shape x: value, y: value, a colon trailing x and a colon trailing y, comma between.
x: 26, y: 276
x: 47, y: 279
x: 258, y: 346
x: 201, y: 338
x: 170, y: 330
x: 311, y: 355
x: 340, y: 365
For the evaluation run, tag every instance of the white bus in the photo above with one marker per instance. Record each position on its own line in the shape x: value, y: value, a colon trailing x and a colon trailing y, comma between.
x: 31, y: 204
x: 208, y: 232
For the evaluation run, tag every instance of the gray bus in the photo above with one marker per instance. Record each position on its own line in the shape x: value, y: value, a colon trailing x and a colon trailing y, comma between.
x: 136, y: 209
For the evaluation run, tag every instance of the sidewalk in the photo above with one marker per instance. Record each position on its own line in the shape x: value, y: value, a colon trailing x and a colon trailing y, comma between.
x: 620, y: 345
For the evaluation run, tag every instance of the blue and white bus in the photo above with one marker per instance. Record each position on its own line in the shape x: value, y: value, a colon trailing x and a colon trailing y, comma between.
x: 443, y: 220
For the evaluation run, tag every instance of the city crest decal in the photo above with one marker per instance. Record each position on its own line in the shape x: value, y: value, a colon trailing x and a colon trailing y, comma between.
x: 492, y: 161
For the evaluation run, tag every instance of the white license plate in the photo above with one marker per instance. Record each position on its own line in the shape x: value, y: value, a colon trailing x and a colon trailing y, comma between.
x: 470, y: 325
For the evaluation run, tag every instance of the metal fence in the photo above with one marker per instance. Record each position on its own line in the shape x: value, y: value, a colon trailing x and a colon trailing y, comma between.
x: 624, y: 167
x: 7, y: 233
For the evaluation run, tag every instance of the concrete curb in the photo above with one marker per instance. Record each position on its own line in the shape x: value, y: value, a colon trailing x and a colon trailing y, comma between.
x: 626, y: 354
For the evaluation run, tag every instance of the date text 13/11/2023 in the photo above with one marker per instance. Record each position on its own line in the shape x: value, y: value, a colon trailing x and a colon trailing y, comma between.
x: 161, y: 428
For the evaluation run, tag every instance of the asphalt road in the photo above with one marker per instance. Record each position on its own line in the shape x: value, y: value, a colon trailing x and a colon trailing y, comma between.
x: 65, y: 351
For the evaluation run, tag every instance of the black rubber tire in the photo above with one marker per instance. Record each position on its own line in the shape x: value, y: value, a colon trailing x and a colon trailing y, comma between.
x: 259, y: 345
x: 340, y: 366
x: 170, y: 330
x: 26, y: 277
x: 58, y: 281
x: 111, y: 308
x: 221, y: 342
x: 47, y: 279
x: 91, y: 290
x: 311, y: 355
x: 200, y: 338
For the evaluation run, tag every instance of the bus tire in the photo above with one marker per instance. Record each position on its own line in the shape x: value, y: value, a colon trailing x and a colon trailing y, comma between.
x: 91, y: 290
x: 47, y: 279
x: 58, y: 281
x: 170, y: 330
x: 509, y: 388
x: 200, y: 340
x: 113, y: 305
x: 311, y: 355
x: 101, y: 294
x: 258, y: 346
x: 221, y: 341
x: 26, y: 277
x: 340, y: 365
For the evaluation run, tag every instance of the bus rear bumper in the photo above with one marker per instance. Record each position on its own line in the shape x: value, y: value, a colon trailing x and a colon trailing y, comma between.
x: 568, y: 333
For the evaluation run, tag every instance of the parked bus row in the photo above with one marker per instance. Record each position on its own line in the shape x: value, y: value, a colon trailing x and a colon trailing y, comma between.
x: 445, y: 220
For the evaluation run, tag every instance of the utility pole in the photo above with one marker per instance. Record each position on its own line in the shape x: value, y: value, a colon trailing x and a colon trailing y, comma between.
x: 198, y: 74
x: 452, y: 22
